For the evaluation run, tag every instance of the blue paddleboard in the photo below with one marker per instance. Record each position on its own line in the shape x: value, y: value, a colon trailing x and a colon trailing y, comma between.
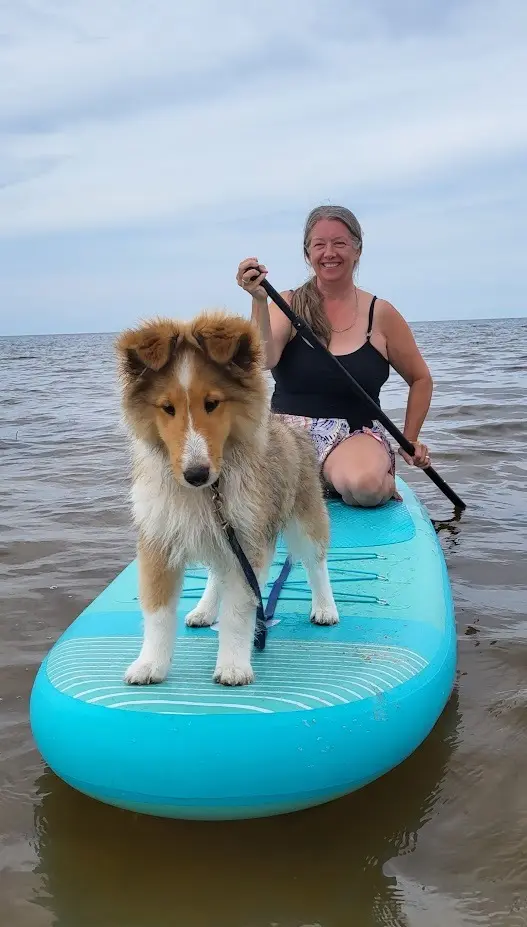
x: 332, y: 708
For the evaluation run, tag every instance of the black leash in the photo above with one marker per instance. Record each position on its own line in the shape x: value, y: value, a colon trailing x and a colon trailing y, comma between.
x: 260, y: 631
x: 274, y: 594
x: 311, y: 339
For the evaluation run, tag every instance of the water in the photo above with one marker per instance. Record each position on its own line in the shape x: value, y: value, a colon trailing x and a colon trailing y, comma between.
x: 439, y: 841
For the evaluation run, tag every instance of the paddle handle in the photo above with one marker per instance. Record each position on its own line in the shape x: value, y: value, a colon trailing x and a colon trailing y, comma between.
x: 311, y: 339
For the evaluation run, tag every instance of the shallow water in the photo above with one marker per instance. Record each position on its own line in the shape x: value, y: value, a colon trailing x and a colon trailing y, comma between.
x: 439, y: 841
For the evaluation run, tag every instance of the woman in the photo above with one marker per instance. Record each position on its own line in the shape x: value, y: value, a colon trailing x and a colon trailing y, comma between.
x: 367, y: 334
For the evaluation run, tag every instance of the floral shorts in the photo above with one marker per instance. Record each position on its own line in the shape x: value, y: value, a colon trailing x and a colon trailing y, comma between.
x: 328, y: 433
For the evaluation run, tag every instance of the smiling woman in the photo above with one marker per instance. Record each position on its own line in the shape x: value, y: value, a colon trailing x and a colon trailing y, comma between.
x: 367, y: 334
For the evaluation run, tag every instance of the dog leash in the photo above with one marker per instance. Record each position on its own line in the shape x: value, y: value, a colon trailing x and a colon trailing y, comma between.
x: 260, y: 631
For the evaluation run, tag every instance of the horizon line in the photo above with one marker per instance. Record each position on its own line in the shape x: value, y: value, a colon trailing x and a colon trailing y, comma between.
x: 497, y: 318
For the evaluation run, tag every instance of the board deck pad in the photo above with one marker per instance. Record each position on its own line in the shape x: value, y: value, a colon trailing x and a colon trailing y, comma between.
x: 302, y: 667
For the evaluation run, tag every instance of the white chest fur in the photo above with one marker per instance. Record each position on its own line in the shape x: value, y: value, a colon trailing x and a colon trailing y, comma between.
x: 183, y: 520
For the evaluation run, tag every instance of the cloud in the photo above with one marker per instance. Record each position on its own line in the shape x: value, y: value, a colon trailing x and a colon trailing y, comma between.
x: 159, y: 127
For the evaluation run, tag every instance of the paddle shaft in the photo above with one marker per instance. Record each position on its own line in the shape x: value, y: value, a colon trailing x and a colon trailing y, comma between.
x: 311, y: 339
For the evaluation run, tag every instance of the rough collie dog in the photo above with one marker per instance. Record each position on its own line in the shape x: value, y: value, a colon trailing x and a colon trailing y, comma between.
x: 195, y: 401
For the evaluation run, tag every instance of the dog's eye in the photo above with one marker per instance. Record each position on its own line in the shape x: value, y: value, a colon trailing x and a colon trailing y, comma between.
x: 169, y: 409
x: 211, y: 404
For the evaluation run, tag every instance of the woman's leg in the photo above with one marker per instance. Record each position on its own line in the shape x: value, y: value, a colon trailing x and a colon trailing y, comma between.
x: 360, y: 469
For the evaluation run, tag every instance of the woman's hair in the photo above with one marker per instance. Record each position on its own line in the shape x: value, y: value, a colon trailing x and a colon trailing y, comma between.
x: 307, y: 300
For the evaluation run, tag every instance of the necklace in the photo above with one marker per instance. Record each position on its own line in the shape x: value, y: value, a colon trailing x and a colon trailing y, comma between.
x: 340, y: 331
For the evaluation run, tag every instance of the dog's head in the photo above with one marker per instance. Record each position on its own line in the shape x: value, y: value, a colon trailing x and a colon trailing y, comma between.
x: 192, y: 388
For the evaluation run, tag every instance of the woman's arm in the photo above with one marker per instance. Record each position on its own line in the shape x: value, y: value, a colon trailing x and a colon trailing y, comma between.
x: 275, y: 328
x: 407, y: 360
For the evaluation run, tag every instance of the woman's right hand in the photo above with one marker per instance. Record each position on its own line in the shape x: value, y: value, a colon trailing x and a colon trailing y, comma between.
x: 250, y: 280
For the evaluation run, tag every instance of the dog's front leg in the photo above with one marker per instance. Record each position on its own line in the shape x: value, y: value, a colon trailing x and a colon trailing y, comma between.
x: 159, y: 588
x: 236, y: 631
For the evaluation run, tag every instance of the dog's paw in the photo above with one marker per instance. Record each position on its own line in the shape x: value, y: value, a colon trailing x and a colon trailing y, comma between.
x: 325, y: 614
x: 231, y: 675
x: 200, y: 618
x: 144, y: 672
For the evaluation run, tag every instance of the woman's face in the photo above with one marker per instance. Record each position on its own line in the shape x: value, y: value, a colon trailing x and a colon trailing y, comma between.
x: 332, y: 251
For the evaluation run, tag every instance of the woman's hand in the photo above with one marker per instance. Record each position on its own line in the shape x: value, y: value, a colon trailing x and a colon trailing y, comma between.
x: 250, y: 280
x: 421, y: 457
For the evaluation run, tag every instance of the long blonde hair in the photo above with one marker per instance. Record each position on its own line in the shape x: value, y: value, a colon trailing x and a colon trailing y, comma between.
x: 307, y: 300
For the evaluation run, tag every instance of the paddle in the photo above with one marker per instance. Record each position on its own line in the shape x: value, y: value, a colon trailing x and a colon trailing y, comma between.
x: 311, y: 339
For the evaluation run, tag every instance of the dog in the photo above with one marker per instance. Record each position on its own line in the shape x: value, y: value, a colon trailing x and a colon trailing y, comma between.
x: 195, y: 402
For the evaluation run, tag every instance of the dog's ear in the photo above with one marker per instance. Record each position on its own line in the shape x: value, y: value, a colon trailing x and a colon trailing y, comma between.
x: 229, y: 342
x: 149, y: 347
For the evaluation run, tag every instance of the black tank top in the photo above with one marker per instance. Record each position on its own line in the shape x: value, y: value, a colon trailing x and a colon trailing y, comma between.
x: 305, y: 384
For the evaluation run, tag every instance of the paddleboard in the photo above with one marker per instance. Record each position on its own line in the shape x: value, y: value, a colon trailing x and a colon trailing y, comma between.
x: 332, y: 708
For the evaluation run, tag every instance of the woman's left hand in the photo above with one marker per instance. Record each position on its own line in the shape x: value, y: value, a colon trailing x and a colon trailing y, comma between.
x: 421, y: 457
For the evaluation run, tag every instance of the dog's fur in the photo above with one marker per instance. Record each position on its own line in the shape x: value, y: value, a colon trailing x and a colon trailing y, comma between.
x: 195, y: 399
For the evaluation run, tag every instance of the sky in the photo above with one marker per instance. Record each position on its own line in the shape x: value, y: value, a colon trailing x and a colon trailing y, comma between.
x: 147, y: 148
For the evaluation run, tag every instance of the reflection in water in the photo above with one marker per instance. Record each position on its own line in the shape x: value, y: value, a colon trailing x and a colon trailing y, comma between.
x: 322, y: 866
x: 448, y: 529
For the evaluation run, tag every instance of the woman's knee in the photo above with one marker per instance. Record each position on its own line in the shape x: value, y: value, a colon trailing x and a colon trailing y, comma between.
x: 366, y: 489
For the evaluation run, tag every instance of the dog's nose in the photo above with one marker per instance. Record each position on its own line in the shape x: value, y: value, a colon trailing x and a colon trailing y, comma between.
x: 197, y: 476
